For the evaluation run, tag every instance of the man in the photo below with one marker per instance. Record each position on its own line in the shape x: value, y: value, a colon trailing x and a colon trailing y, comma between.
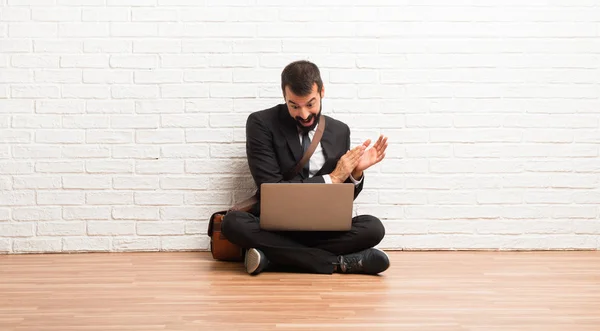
x: 274, y: 145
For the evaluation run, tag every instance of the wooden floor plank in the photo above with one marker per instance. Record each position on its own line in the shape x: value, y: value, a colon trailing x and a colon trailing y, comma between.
x: 463, y: 291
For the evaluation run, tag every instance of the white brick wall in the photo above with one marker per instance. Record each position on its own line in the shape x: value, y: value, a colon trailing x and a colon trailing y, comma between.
x: 122, y: 121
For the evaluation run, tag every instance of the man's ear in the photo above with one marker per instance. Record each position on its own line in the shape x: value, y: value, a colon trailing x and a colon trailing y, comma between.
x: 283, y: 92
x: 322, y: 92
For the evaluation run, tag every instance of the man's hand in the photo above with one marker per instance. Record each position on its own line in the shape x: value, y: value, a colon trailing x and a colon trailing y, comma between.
x: 347, y: 164
x: 371, y: 156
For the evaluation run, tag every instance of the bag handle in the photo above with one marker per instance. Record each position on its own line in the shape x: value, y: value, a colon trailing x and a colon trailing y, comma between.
x: 247, y: 204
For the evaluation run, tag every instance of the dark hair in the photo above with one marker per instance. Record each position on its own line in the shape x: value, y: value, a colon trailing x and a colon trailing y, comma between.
x: 300, y: 76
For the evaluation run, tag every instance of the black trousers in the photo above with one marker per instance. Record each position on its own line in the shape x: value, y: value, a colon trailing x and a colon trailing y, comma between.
x: 313, y: 251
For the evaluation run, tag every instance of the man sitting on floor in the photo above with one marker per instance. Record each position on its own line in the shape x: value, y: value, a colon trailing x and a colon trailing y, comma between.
x: 274, y: 139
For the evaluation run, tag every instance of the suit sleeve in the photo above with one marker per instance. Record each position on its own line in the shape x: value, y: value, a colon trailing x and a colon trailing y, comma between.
x: 357, y: 188
x: 262, y: 160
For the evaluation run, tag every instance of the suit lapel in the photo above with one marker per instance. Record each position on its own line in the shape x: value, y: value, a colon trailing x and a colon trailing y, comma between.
x: 290, y: 132
x: 328, y: 142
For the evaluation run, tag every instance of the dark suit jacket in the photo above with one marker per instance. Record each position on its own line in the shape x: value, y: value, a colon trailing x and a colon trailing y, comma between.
x: 273, y: 147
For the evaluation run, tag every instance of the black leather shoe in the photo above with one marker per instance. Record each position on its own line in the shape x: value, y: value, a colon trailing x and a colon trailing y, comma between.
x: 370, y: 261
x: 255, y: 261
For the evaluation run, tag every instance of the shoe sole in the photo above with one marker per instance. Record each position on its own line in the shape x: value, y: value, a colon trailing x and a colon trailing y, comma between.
x: 387, y: 260
x: 252, y: 260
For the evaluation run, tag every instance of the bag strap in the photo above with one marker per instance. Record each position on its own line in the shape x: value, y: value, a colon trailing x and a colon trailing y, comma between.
x: 247, y: 204
x: 311, y: 149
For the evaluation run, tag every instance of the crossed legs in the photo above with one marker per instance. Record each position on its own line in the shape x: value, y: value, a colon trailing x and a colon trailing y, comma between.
x: 316, y: 252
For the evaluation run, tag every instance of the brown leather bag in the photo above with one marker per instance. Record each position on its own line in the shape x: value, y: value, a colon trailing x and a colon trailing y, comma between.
x: 224, y: 250
x: 221, y: 248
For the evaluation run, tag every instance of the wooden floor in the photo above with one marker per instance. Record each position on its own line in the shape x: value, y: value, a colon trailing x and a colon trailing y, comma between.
x: 480, y: 291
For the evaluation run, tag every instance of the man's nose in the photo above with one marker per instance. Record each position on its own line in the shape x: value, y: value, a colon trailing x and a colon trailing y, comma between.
x: 304, y: 113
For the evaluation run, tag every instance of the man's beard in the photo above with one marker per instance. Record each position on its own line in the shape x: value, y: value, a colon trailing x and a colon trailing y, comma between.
x: 305, y: 129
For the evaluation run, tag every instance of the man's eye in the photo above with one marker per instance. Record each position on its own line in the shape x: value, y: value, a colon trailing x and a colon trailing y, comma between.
x: 310, y: 105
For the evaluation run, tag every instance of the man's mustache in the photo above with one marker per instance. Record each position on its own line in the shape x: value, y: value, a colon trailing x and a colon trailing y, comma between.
x: 308, y: 119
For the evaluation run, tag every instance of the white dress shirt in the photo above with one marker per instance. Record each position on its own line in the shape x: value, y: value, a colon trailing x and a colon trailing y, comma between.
x: 317, y: 160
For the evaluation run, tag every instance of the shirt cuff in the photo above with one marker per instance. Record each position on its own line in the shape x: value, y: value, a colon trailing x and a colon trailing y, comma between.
x: 356, y: 182
x: 327, y: 179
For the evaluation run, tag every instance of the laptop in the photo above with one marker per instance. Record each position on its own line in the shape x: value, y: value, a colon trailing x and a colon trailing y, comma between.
x: 306, y: 206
